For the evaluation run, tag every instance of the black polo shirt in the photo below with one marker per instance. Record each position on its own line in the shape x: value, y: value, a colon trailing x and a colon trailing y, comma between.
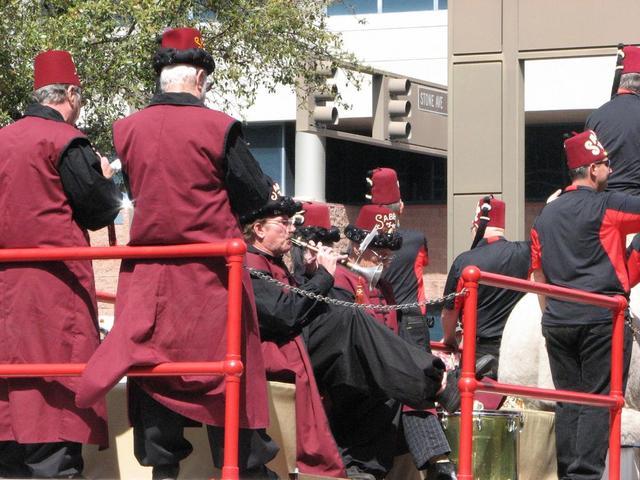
x: 578, y: 241
x: 617, y: 124
x: 495, y: 255
x: 404, y: 273
x: 633, y: 261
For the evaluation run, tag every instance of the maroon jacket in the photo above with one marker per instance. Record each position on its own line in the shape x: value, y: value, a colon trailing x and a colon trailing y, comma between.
x: 176, y: 310
x: 287, y: 360
x: 48, y: 311
x: 351, y: 282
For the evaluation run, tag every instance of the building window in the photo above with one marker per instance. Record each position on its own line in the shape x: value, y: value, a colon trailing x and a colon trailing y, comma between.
x: 359, y: 7
x: 545, y: 165
x: 272, y: 146
x: 352, y: 7
x: 423, y: 178
x: 406, y: 5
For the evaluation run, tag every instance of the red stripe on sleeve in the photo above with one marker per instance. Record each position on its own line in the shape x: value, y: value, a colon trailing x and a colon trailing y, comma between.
x: 422, y: 260
x: 536, y: 252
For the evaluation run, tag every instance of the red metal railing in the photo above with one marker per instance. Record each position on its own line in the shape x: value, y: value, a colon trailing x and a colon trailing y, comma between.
x: 231, y: 367
x: 472, y: 276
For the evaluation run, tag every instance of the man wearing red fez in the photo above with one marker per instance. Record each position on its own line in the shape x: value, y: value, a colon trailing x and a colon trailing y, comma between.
x: 578, y: 241
x: 189, y: 170
x: 423, y: 433
x: 617, y: 124
x: 491, y: 252
x: 342, y: 346
x: 53, y: 187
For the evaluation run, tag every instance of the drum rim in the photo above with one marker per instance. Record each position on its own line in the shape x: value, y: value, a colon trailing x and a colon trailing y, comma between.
x: 488, y: 413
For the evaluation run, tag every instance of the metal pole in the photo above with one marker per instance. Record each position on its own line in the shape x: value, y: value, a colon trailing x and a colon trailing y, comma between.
x: 230, y: 470
x: 617, y: 355
x: 467, y: 382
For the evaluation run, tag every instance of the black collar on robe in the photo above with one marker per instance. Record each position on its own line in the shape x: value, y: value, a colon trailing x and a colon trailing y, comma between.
x: 176, y: 98
x: 42, y: 111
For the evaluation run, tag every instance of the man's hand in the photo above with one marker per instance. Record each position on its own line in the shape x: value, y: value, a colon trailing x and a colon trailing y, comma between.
x: 107, y: 171
x: 328, y: 258
x: 310, y: 259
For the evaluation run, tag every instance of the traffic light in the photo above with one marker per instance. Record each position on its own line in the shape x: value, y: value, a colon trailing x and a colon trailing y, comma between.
x: 318, y: 108
x: 391, y: 107
x: 324, y: 110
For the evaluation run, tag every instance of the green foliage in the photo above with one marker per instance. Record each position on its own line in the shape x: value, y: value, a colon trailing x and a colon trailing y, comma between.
x: 255, y: 43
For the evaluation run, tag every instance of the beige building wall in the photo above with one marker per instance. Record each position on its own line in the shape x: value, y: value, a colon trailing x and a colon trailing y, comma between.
x: 489, y: 43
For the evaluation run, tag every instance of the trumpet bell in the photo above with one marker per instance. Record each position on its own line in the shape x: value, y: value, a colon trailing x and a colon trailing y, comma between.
x: 370, y: 274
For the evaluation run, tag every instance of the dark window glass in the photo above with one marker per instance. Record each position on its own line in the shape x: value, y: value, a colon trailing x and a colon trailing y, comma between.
x: 545, y: 165
x: 406, y: 5
x: 352, y: 7
x: 423, y: 178
x: 443, y: 4
x: 265, y: 143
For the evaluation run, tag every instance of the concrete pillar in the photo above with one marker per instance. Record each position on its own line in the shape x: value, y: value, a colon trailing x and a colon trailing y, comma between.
x: 310, y: 167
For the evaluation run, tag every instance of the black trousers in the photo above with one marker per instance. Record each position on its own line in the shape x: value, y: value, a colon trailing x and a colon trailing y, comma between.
x: 423, y: 433
x: 489, y: 346
x: 41, y: 460
x: 159, y: 442
x: 580, y: 359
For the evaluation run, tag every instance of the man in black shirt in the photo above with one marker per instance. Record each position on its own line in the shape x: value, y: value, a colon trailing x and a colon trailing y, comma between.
x: 423, y: 433
x: 578, y: 241
x: 617, y: 124
x: 493, y: 253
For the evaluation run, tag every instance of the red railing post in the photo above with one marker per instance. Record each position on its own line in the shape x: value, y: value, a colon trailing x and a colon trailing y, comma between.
x: 467, y: 382
x: 230, y: 470
x: 617, y: 355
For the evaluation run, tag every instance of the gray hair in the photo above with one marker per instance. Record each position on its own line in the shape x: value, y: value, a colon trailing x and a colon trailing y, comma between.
x: 54, y: 93
x: 580, y: 172
x: 630, y: 81
x: 177, y: 74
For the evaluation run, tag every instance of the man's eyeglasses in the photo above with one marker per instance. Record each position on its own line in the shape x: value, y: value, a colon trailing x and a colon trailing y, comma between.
x: 285, y: 223
x: 606, y: 163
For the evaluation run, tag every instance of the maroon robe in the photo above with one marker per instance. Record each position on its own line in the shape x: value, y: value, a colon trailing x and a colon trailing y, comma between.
x: 316, y: 450
x: 352, y: 282
x: 48, y: 311
x: 176, y: 310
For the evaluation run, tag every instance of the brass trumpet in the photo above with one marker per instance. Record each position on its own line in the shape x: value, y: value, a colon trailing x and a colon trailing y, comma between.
x: 371, y: 274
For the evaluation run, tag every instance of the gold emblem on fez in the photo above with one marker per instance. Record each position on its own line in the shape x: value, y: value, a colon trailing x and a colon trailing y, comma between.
x: 198, y: 41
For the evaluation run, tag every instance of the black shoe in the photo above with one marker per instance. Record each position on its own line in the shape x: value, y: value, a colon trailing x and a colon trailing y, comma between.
x: 354, y: 473
x: 449, y: 398
x: 259, y: 473
x: 487, y: 366
x: 441, y: 471
x: 165, y: 472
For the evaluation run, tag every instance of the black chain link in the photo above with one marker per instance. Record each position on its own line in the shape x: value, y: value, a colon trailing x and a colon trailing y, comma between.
x: 332, y: 301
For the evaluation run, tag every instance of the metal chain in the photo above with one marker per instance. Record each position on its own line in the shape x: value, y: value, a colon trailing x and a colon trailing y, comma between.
x: 635, y: 330
x: 361, y: 306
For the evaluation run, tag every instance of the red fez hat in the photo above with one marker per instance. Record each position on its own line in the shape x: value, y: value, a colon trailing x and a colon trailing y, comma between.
x: 583, y: 149
x: 54, y: 66
x: 384, y: 185
x: 183, y: 46
x: 182, y: 39
x: 631, y: 61
x: 495, y: 213
x: 371, y: 216
x: 316, y: 215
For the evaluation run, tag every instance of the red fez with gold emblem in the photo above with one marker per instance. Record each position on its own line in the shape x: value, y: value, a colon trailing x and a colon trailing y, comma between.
x: 583, y: 149
x: 495, y: 212
x: 377, y: 216
x: 316, y: 215
x: 183, y: 46
x: 631, y: 61
x: 54, y: 66
x: 383, y: 220
x: 384, y: 186
x: 182, y: 39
